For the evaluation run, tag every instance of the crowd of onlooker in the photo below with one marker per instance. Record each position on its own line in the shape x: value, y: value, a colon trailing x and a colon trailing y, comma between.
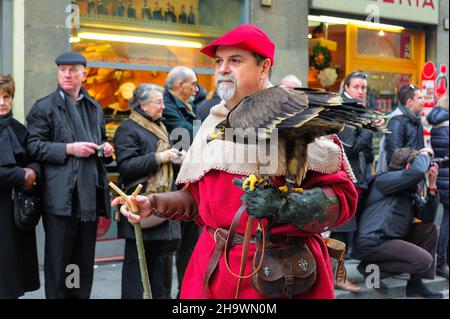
x: 394, y: 226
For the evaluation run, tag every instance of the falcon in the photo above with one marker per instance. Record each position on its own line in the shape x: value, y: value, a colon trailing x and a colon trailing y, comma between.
x: 300, y: 115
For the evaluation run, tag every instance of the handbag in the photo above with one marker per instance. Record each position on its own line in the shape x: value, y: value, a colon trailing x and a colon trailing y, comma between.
x: 288, y: 268
x: 27, y: 208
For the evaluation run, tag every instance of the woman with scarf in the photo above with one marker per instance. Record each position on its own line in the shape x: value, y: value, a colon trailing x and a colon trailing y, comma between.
x: 19, y: 271
x: 144, y: 156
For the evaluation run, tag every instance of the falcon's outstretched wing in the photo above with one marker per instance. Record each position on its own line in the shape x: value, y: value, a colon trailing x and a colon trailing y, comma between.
x: 266, y: 109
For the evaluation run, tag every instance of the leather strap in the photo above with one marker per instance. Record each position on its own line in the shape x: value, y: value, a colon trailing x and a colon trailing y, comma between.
x: 231, y: 235
x: 141, y: 180
x: 220, y: 236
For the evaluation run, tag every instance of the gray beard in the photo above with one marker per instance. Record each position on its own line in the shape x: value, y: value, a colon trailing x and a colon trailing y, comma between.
x: 226, y: 92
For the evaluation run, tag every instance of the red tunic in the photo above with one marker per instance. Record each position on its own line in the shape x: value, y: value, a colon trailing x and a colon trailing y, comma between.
x: 218, y: 200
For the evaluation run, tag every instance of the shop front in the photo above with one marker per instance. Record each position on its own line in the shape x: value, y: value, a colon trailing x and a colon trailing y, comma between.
x: 347, y: 36
x: 128, y: 43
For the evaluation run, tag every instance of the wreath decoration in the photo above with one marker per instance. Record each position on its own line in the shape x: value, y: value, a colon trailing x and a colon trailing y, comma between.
x: 321, y: 57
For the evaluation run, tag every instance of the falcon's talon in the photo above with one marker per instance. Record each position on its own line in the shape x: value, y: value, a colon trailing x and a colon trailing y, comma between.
x: 219, y: 131
x: 284, y: 188
x: 298, y: 190
x: 251, y: 181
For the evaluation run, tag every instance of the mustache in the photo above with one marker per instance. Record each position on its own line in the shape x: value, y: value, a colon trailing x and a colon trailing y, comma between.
x: 222, y: 78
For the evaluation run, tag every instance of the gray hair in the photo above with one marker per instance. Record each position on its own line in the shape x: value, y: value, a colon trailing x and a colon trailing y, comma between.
x: 178, y: 73
x: 141, y: 94
x: 291, y: 81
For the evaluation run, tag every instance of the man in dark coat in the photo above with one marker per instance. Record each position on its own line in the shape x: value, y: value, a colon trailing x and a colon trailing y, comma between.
x: 396, y: 231
x: 179, y: 113
x: 67, y: 135
x: 405, y: 124
x: 438, y: 117
x: 19, y: 270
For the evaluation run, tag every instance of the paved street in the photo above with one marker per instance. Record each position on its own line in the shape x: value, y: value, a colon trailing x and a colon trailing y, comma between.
x: 107, y: 278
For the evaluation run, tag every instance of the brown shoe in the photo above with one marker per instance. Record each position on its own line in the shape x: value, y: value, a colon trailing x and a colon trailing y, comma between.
x: 344, y: 283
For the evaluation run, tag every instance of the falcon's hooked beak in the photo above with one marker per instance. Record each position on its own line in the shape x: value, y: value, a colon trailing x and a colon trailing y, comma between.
x: 218, y: 132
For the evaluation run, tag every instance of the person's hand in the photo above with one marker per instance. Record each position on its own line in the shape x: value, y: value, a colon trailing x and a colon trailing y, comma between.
x: 378, y: 123
x: 179, y: 158
x: 261, y: 202
x: 432, y: 175
x: 142, y: 202
x: 167, y: 155
x: 30, y: 179
x: 108, y: 149
x: 81, y: 149
x: 428, y: 151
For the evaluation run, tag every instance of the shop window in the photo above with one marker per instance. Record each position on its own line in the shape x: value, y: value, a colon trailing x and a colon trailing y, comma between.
x: 155, y: 35
x: 383, y: 87
x: 385, y: 44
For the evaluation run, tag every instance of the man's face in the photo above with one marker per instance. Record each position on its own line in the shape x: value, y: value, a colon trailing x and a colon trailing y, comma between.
x: 357, y: 89
x: 238, y: 75
x: 416, y: 104
x: 70, y: 77
x: 189, y: 88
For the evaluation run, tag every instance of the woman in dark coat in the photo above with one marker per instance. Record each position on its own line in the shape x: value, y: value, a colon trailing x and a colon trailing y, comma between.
x: 438, y: 117
x: 144, y: 156
x: 19, y: 271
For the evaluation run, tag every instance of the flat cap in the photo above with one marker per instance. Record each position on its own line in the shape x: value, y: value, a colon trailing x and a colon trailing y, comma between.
x: 71, y: 58
x: 247, y: 37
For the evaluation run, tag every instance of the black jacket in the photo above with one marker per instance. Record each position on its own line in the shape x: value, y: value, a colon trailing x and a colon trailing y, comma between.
x: 49, y: 133
x: 204, y: 107
x: 358, y: 147
x: 19, y: 270
x: 406, y: 131
x: 438, y: 117
x: 390, y: 210
x: 176, y: 115
x: 135, y: 150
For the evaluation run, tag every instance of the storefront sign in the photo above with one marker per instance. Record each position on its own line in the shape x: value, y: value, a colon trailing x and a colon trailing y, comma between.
x: 441, y: 82
x: 421, y: 11
x: 428, y: 83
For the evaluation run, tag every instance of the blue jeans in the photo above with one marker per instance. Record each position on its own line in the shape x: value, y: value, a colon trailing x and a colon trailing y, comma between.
x: 443, y: 238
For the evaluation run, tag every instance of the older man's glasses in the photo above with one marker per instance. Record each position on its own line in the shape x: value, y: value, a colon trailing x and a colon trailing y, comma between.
x: 193, y: 84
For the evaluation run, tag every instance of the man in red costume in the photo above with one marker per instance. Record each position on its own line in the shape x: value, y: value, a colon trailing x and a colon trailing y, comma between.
x: 243, y: 61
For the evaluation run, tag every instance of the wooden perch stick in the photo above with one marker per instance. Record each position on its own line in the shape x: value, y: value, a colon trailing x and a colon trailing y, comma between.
x: 139, y: 239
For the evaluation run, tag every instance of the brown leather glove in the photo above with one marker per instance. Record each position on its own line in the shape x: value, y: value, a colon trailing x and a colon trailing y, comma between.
x: 179, y: 205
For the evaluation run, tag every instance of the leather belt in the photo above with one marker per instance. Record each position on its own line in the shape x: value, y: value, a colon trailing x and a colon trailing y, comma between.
x: 220, y: 236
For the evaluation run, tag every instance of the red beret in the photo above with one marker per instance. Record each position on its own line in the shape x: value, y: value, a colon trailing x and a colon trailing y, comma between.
x: 246, y: 37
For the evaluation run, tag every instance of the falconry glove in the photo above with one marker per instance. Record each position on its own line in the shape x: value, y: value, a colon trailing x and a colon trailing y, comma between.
x: 314, y: 210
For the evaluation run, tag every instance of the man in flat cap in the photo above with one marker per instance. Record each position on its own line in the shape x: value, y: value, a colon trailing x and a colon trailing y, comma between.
x: 243, y: 61
x: 67, y: 135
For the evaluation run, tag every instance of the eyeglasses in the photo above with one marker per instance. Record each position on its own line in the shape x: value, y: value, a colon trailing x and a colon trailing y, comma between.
x: 193, y: 84
x: 158, y: 102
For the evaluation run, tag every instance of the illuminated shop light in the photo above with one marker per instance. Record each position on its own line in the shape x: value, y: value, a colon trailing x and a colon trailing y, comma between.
x: 135, y: 39
x: 336, y: 20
